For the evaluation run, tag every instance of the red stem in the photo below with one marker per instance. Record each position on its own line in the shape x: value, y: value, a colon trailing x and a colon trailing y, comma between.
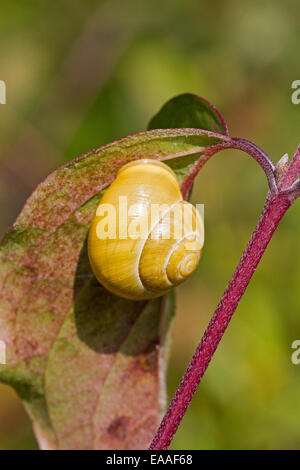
x: 273, y: 212
x: 281, y: 196
x: 235, y: 143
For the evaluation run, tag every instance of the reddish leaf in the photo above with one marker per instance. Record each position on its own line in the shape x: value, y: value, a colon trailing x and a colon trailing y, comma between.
x: 88, y: 365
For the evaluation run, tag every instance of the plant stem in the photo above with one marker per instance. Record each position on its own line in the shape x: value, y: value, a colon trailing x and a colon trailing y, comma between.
x: 275, y: 207
x: 292, y: 175
x: 239, y: 144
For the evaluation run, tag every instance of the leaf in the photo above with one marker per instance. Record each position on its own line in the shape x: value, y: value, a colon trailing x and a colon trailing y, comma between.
x: 89, y: 366
x: 189, y: 111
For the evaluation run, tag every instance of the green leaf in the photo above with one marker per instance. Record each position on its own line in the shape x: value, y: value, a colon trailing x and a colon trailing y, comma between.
x: 189, y: 111
x: 89, y: 366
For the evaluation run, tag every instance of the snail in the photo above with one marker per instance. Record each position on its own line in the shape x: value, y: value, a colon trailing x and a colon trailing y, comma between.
x: 144, y: 238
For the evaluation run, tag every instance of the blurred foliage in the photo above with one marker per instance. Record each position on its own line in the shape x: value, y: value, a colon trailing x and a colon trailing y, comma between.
x: 79, y: 77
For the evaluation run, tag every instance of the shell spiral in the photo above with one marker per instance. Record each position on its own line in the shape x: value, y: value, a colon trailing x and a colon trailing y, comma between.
x: 144, y: 238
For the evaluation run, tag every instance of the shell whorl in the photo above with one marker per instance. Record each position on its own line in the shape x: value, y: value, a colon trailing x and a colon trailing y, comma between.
x: 160, y: 245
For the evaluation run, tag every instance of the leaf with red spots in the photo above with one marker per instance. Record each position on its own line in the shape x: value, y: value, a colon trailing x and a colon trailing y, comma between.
x: 89, y: 366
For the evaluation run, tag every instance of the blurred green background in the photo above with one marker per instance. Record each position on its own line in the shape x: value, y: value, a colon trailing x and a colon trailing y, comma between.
x: 81, y: 74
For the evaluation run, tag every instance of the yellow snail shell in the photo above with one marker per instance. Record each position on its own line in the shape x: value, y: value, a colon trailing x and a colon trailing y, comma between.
x: 145, y: 251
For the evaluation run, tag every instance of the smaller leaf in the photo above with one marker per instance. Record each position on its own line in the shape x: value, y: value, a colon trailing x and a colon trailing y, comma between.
x: 189, y: 111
